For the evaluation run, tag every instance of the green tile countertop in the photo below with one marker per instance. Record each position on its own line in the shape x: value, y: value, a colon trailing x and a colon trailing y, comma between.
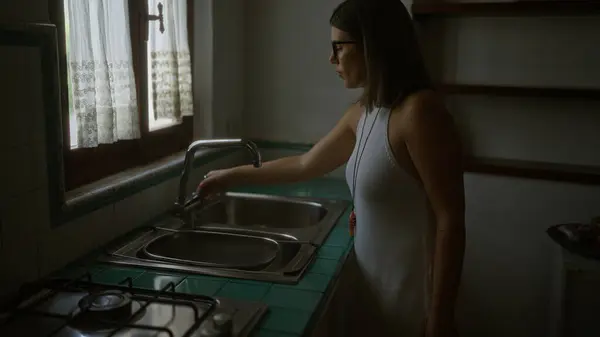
x: 292, y: 308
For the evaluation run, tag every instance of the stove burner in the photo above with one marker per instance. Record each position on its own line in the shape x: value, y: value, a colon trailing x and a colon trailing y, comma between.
x: 85, y: 308
x: 109, y: 301
x: 104, y: 311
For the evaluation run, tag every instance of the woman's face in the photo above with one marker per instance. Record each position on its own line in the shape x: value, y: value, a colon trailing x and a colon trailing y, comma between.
x: 347, y: 59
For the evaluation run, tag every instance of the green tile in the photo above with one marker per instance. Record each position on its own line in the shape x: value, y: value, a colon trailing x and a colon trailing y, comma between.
x: 241, y: 291
x: 252, y: 282
x: 116, y: 276
x: 310, y: 281
x: 156, y: 281
x: 331, y: 252
x: 270, y: 333
x: 286, y: 320
x: 343, y: 219
x: 207, y: 286
x: 339, y: 236
x: 293, y: 298
x: 324, y: 266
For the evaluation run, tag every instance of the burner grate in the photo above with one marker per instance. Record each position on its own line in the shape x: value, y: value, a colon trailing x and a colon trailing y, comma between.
x: 166, y: 295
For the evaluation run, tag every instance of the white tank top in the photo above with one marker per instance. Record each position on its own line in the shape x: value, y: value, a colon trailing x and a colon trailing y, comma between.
x: 395, y: 229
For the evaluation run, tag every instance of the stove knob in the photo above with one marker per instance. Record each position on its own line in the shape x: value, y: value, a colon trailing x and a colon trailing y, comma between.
x: 224, y: 324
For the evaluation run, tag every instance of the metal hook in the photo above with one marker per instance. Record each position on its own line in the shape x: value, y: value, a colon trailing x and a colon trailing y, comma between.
x: 158, y: 17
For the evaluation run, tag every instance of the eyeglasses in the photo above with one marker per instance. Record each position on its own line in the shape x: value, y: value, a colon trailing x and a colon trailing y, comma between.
x: 335, y: 44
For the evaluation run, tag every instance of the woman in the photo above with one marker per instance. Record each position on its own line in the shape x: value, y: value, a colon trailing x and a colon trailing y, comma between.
x: 405, y: 173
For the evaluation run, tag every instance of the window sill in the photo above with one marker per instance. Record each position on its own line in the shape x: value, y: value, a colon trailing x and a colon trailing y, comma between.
x: 89, y: 198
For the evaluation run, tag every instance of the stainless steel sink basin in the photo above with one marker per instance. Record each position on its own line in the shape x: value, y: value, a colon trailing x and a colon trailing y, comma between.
x: 213, y: 249
x: 241, y: 235
x: 308, y: 219
x: 262, y: 211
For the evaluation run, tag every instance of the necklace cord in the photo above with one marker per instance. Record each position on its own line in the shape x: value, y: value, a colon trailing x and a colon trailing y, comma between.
x: 361, y: 152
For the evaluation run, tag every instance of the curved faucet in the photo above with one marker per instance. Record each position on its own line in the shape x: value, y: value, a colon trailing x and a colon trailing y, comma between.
x: 210, y: 143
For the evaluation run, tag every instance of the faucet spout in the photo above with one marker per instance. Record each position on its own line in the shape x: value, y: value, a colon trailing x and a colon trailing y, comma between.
x: 211, y: 143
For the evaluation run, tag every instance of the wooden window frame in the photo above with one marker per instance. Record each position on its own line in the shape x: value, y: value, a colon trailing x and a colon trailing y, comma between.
x: 86, y: 165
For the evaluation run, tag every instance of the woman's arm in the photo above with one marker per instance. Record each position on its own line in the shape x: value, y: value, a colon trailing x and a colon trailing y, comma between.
x: 329, y: 153
x: 435, y: 149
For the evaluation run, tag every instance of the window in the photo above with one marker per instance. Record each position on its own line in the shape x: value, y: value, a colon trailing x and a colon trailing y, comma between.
x: 127, y: 82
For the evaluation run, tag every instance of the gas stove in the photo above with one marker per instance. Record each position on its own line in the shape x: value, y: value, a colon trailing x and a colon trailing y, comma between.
x: 80, y: 307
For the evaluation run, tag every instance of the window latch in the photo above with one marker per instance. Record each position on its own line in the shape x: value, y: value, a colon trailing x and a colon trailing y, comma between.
x: 158, y: 17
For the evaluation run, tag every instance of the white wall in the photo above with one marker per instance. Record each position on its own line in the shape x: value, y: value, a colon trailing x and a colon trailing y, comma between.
x: 511, y: 268
x: 219, y: 67
x: 546, y: 51
x: 291, y: 90
x: 229, y: 66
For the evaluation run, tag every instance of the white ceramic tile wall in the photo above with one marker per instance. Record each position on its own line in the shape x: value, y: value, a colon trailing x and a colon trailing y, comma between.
x: 511, y: 268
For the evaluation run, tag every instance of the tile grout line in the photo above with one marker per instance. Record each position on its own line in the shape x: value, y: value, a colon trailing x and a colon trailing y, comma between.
x: 267, y: 292
x: 179, y: 283
x: 137, y: 277
x: 222, y: 286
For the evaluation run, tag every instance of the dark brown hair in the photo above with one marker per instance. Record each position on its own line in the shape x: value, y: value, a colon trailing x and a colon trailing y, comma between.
x: 385, y: 33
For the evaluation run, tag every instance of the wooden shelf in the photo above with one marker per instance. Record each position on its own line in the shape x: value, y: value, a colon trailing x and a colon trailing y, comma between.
x: 495, y: 90
x: 588, y: 175
x: 516, y: 8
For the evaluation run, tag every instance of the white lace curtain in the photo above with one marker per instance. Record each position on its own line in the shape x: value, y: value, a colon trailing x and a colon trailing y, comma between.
x: 170, y: 65
x: 102, y: 90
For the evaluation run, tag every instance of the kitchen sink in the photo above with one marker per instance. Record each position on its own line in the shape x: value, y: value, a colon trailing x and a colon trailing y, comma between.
x: 263, y: 211
x: 308, y: 219
x: 206, y: 249
x: 239, y: 235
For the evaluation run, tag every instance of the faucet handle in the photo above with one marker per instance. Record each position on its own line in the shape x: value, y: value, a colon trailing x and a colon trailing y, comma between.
x: 180, y: 207
x: 195, y: 197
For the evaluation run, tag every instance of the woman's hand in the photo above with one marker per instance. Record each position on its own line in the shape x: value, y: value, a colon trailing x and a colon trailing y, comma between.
x: 215, y: 182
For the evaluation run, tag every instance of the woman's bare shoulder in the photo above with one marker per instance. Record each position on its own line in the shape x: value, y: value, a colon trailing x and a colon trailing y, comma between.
x: 423, y: 108
x: 353, y: 115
